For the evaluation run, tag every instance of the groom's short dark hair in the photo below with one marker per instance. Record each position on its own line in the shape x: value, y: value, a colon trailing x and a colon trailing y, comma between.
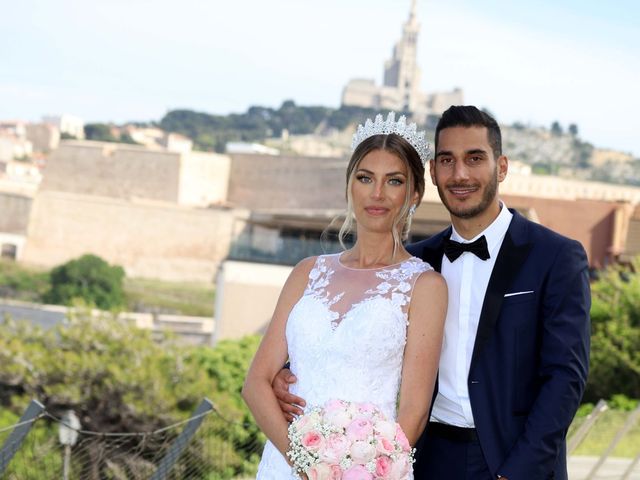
x: 470, y: 116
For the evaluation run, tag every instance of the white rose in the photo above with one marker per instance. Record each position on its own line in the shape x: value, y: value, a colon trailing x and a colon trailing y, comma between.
x: 385, y: 428
x: 339, y: 418
x: 400, y: 468
x: 362, y: 452
x: 307, y: 422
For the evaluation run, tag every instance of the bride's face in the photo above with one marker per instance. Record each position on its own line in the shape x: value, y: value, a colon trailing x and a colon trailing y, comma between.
x: 379, y: 191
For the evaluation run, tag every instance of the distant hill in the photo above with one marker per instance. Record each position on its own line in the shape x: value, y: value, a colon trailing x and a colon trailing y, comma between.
x: 212, y: 132
x: 554, y: 150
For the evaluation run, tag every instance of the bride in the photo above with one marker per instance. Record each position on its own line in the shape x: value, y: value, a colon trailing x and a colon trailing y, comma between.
x: 364, y: 325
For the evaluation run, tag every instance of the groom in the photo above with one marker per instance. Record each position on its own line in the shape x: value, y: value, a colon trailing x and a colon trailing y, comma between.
x: 516, y: 348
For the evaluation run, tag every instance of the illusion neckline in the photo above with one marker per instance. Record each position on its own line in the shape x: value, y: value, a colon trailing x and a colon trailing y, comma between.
x: 339, y: 259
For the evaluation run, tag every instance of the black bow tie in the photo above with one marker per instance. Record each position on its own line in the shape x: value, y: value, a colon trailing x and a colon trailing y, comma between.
x: 453, y: 249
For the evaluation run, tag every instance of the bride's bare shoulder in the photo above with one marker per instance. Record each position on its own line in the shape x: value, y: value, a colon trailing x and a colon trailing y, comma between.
x: 299, y: 276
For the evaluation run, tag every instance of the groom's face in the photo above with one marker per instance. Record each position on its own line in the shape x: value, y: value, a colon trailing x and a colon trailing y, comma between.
x: 466, y: 172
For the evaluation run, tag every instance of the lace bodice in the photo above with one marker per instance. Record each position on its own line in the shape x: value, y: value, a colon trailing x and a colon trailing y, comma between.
x: 346, y: 335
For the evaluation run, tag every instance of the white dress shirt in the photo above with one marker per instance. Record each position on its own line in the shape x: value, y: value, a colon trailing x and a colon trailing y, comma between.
x: 467, y: 279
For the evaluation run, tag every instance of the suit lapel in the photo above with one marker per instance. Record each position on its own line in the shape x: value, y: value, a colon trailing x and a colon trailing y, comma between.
x: 508, y: 263
x: 434, y: 249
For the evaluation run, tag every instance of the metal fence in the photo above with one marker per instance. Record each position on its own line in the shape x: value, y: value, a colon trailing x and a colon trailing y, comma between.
x: 605, y: 445
x: 42, y: 446
x: 602, y: 445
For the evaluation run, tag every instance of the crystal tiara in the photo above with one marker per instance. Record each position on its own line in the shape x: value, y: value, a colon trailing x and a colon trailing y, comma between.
x: 384, y: 127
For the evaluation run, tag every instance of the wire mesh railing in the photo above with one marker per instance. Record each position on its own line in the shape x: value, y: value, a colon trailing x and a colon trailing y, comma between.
x: 205, y: 446
x: 605, y: 445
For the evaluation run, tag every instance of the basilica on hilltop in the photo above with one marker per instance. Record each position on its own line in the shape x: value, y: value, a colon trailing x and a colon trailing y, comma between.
x: 401, y: 84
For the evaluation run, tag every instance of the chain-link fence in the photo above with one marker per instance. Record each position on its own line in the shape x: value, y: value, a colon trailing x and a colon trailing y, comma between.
x: 197, y: 448
x: 602, y: 445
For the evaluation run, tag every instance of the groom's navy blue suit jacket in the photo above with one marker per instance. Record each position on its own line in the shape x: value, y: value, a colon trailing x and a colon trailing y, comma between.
x: 531, y: 353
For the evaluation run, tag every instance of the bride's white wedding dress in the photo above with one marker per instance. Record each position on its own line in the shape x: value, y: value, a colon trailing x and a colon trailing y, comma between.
x: 346, y: 338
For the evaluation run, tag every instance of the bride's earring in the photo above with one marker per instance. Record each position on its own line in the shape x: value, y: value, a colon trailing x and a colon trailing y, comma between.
x: 412, y: 210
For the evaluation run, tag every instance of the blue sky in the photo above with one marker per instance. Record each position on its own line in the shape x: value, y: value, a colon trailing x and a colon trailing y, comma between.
x: 534, y: 62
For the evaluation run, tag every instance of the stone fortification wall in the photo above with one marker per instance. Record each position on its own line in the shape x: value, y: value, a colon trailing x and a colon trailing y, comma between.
x: 14, y: 212
x: 285, y: 181
x: 265, y: 181
x: 204, y: 179
x: 113, y: 170
x: 148, y: 239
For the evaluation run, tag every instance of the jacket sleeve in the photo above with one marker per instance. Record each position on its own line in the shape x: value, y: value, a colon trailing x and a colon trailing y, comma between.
x: 563, y: 367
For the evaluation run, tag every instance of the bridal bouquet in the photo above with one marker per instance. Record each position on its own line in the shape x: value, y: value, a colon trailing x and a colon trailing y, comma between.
x: 349, y: 441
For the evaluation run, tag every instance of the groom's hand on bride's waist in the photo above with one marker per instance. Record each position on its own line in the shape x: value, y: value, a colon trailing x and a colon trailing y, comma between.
x: 289, y: 404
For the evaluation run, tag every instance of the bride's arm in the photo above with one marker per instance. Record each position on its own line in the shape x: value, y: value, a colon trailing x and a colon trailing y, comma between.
x: 270, y: 357
x: 427, y: 313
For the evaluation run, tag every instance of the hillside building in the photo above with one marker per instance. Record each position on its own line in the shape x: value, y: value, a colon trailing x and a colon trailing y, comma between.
x: 401, y: 89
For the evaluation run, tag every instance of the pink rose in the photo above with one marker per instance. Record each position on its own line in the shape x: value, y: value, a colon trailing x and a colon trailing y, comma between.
x: 336, y: 472
x: 384, y: 445
x: 362, y: 452
x: 359, y: 429
x: 401, y: 438
x: 323, y: 471
x: 334, y: 449
x: 357, y: 472
x: 315, y: 473
x: 383, y: 466
x: 312, y: 440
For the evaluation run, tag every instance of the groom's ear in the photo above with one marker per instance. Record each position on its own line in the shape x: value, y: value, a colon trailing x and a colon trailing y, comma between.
x: 503, y: 167
x: 432, y: 170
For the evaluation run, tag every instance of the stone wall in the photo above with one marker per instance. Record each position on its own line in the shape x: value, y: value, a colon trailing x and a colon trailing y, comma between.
x: 128, y: 171
x: 204, y: 179
x: 265, y: 181
x: 113, y: 170
x: 149, y: 239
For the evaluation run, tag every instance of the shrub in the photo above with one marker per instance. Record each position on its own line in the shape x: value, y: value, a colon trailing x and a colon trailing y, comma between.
x: 88, y: 279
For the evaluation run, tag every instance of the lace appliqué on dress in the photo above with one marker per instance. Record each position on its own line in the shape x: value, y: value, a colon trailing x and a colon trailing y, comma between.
x: 398, y: 284
x: 319, y: 279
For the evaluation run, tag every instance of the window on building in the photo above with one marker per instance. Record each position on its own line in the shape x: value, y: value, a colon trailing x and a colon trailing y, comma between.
x: 9, y: 251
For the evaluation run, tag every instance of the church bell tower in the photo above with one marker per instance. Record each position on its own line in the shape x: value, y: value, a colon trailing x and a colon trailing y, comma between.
x: 401, y: 71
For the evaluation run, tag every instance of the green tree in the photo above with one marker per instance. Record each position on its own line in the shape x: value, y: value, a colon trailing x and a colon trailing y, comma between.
x: 22, y: 283
x: 88, y: 279
x: 226, y: 366
x: 583, y: 152
x: 125, y: 137
x: 615, y: 338
x: 99, y: 132
x: 117, y: 378
x: 573, y: 129
x: 556, y: 128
